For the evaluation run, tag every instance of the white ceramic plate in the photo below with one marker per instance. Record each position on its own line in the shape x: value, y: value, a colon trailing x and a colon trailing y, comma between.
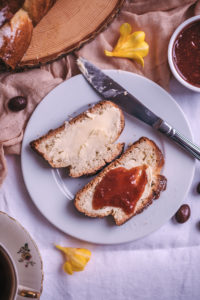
x: 52, y: 190
x: 24, y: 253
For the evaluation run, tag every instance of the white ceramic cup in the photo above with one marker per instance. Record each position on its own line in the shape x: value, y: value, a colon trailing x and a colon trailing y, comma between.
x: 9, y: 280
x: 170, y: 49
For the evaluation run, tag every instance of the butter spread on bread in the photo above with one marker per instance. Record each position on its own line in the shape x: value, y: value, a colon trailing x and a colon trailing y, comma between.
x: 85, y: 144
x: 142, y: 153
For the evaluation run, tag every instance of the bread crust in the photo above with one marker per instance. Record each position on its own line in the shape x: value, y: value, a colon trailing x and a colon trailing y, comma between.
x: 8, y: 8
x: 120, y: 146
x: 159, y: 184
x: 22, y: 16
x: 13, y: 47
x: 37, y: 9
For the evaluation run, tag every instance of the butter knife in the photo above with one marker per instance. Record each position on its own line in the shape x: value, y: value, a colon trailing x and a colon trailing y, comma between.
x: 112, y: 91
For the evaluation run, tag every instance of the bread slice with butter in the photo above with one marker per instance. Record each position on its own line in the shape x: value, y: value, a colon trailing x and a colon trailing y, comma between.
x: 143, y: 153
x: 85, y: 144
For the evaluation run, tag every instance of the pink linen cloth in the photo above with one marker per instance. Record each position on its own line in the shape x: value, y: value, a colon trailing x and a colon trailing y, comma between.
x: 157, y: 18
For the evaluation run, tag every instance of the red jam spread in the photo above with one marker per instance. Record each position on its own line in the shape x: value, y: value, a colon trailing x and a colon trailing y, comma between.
x: 121, y: 188
x: 186, y: 53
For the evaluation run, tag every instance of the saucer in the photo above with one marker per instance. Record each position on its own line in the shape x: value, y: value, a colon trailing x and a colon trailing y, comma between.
x: 24, y: 252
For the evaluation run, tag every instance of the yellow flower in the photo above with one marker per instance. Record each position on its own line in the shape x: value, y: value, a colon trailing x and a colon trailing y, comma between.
x: 76, y: 259
x: 130, y: 45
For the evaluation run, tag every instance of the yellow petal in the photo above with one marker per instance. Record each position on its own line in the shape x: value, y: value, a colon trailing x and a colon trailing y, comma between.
x: 133, y: 40
x: 136, y: 38
x: 60, y: 248
x: 66, y: 250
x: 77, y: 269
x: 130, y: 45
x: 84, y: 252
x: 78, y: 261
x: 141, y: 50
x: 128, y: 54
x: 68, y: 268
x: 139, y: 60
x: 77, y: 258
x: 108, y: 53
x: 125, y: 30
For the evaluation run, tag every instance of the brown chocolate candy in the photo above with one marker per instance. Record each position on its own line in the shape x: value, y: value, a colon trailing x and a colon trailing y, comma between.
x: 183, y: 214
x: 17, y: 103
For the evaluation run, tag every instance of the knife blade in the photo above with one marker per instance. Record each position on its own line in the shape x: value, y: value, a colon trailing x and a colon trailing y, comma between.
x: 114, y: 92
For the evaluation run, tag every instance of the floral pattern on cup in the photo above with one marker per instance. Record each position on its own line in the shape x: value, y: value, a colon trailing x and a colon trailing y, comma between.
x: 26, y: 256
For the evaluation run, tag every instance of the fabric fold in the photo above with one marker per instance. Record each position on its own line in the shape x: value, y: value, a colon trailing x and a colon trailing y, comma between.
x: 158, y: 19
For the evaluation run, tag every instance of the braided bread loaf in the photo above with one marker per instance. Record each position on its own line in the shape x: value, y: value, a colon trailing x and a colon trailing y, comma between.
x: 17, y: 19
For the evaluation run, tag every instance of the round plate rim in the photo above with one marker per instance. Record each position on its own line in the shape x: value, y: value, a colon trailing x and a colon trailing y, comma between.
x: 127, y: 240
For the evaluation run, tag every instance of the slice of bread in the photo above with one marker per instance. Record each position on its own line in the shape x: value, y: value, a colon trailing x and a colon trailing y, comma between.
x: 37, y: 9
x: 142, y: 152
x: 15, y: 37
x: 85, y: 144
x: 17, y: 18
x: 8, y: 8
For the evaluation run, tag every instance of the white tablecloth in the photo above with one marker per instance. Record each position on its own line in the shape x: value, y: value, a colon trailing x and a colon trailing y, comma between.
x: 163, y: 266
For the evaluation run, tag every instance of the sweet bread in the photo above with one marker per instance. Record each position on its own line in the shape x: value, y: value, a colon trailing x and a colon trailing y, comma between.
x: 37, y: 9
x: 15, y: 37
x: 8, y: 8
x: 114, y: 193
x: 17, y: 18
x: 86, y: 143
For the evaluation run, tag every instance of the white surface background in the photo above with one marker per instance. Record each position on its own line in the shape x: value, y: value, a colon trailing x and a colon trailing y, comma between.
x: 164, y: 265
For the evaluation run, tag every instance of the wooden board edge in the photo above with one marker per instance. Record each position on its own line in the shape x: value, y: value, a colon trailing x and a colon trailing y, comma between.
x: 48, y: 59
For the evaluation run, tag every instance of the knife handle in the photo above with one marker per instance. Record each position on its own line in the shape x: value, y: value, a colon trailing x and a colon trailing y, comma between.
x: 180, y: 139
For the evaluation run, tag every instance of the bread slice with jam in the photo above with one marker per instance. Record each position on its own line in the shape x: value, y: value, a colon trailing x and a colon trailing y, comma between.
x: 86, y: 143
x: 126, y: 186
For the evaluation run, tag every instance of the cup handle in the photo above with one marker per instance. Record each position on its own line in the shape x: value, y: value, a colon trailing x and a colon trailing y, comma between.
x: 28, y: 294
